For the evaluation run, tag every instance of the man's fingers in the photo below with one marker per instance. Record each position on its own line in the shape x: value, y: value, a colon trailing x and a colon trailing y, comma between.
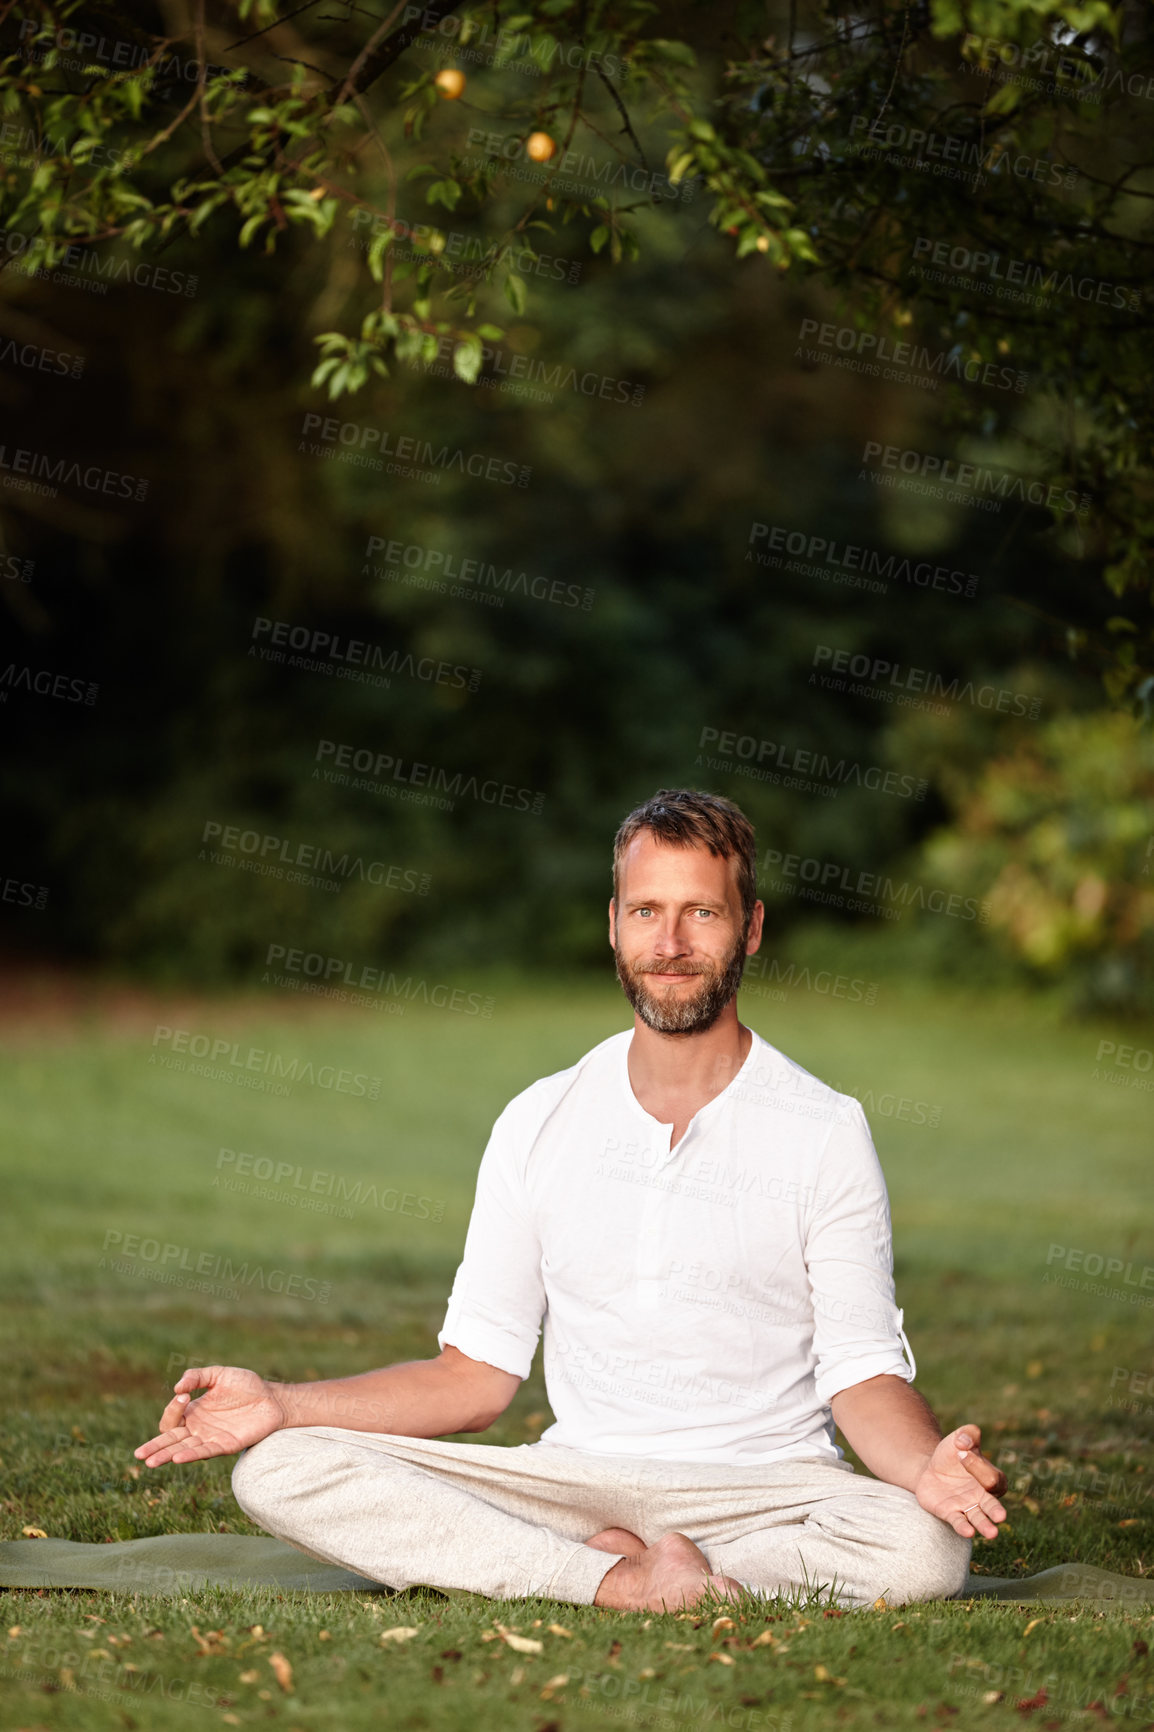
x: 198, y: 1377
x: 989, y: 1477
x: 174, y: 1413
x: 170, y: 1435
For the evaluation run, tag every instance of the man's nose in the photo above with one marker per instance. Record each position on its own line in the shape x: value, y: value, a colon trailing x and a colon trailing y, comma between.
x: 672, y: 940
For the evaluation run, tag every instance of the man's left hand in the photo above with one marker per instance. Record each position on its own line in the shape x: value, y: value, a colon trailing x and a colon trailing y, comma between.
x: 959, y: 1485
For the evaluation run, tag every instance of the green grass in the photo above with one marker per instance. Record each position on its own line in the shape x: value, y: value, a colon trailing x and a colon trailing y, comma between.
x: 1028, y: 1151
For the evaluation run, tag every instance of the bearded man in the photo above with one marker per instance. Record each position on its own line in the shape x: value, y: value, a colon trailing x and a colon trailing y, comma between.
x: 703, y: 1229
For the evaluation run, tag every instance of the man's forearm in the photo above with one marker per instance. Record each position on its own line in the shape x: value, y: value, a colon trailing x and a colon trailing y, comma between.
x: 423, y: 1398
x: 890, y: 1426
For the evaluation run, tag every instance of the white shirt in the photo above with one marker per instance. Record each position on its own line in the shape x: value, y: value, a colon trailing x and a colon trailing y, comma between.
x: 700, y: 1303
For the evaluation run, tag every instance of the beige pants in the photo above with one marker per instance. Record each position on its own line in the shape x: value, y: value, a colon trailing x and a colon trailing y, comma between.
x: 511, y: 1522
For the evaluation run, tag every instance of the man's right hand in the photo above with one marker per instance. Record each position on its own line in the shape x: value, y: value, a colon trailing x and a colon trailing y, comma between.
x: 237, y: 1409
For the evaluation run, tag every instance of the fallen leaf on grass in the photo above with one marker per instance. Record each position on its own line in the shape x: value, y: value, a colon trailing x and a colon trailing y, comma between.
x: 282, y: 1672
x: 559, y: 1630
x: 989, y: 1697
x: 551, y: 1684
x: 680, y: 1647
x: 517, y: 1675
x: 401, y: 1633
x: 15, y: 1630
x: 1131, y: 1522
x: 1032, y: 1625
x: 722, y: 1659
x: 524, y: 1644
x: 249, y: 1677
x: 723, y: 1624
x: 767, y: 1639
x: 34, y: 1533
x: 824, y: 1676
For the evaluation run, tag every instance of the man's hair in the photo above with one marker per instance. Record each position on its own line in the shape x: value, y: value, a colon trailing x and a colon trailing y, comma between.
x: 685, y: 818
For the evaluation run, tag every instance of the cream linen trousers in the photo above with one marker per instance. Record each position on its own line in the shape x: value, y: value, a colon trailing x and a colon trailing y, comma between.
x: 510, y: 1522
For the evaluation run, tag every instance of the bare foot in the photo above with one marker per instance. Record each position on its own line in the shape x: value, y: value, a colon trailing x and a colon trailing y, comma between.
x: 617, y: 1540
x: 669, y: 1574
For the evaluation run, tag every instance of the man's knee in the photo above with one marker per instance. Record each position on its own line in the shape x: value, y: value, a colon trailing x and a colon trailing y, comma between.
x: 266, y: 1476
x: 932, y: 1561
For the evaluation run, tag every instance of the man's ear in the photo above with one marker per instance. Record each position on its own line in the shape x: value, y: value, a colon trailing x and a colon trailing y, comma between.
x: 612, y: 924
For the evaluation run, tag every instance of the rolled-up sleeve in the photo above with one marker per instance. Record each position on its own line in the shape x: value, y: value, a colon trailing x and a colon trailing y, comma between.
x: 498, y: 1298
x: 849, y: 1258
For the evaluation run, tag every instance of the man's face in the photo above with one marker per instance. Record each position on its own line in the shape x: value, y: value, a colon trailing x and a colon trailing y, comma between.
x: 678, y: 934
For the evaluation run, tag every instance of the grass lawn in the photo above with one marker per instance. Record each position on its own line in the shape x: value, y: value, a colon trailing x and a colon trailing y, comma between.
x: 999, y: 1144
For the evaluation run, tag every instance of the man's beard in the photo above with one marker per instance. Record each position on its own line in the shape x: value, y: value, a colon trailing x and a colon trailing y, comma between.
x: 685, y: 1014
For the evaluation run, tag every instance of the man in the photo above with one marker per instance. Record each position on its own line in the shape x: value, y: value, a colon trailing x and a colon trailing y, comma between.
x: 705, y: 1230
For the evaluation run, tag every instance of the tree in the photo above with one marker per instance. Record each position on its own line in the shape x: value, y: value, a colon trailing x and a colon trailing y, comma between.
x: 1020, y: 250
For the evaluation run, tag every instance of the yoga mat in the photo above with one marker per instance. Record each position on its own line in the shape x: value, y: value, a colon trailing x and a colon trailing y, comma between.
x: 176, y: 1563
x: 172, y: 1564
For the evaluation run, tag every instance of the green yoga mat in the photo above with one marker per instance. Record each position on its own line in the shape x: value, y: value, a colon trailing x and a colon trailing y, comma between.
x: 173, y: 1564
x: 177, y: 1563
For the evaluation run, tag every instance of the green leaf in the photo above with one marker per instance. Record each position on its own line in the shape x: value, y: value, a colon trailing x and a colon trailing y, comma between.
x: 515, y: 293
x: 599, y: 237
x: 467, y: 357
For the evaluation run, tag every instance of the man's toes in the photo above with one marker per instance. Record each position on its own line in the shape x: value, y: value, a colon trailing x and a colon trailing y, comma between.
x: 617, y: 1540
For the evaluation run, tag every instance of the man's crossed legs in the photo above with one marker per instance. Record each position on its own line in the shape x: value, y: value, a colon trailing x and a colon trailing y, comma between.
x: 516, y: 1522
